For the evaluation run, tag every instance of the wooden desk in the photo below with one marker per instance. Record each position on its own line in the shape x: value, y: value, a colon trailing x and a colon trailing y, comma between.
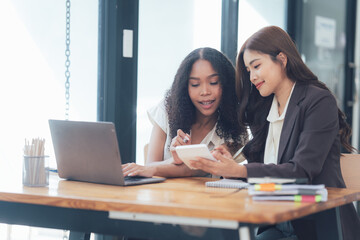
x: 154, y: 209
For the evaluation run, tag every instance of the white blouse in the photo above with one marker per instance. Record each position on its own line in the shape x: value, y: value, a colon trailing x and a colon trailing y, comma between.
x: 275, y: 127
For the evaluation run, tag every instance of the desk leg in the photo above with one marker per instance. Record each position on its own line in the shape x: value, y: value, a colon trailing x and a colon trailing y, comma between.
x: 79, y: 236
x: 247, y: 232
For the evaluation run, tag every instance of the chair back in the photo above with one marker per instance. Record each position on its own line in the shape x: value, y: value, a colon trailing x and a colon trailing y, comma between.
x: 350, y: 169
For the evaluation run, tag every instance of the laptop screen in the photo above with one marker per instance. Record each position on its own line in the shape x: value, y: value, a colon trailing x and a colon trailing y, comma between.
x: 88, y: 151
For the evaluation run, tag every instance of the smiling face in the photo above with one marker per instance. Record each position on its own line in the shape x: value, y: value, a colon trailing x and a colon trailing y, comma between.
x: 268, y: 76
x: 204, y: 88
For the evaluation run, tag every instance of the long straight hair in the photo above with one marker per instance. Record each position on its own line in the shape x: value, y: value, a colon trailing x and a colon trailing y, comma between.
x: 254, y: 108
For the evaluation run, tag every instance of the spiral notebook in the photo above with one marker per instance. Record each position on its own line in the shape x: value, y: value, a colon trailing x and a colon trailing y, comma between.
x: 227, y: 183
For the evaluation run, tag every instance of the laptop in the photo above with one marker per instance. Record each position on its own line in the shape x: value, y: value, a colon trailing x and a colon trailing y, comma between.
x: 89, y: 152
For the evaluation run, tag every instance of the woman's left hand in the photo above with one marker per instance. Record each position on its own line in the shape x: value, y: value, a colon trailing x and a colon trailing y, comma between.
x: 225, y: 166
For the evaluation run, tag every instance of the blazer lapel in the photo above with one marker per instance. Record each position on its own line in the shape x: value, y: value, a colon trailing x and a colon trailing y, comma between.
x: 290, y: 117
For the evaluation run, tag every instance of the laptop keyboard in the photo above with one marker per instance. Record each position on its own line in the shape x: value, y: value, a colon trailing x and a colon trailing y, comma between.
x: 133, y: 179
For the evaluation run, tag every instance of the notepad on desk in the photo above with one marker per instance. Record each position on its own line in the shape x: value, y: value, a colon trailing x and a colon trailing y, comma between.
x: 255, y: 180
x: 227, y: 183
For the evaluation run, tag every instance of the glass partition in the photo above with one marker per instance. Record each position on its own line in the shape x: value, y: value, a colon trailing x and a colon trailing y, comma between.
x: 168, y: 31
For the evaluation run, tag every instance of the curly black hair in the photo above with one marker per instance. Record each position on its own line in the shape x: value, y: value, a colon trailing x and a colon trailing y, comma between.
x: 181, y: 111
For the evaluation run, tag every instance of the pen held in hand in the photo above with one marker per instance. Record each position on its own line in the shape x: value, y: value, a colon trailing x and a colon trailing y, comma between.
x: 186, y: 139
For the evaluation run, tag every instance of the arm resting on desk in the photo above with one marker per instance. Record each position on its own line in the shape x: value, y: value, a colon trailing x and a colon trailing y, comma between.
x: 162, y: 169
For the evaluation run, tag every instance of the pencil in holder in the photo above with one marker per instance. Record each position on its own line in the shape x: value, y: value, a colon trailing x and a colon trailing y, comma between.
x: 35, y: 171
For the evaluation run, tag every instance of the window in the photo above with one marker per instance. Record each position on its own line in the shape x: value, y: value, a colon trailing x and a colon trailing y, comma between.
x: 168, y: 31
x: 255, y: 14
x: 32, y: 67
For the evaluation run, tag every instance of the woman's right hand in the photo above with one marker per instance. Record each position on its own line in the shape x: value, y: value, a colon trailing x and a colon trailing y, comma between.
x: 179, y: 140
x: 133, y: 169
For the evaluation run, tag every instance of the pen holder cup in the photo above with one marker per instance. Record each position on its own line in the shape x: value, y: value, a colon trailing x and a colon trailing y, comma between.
x: 35, y: 171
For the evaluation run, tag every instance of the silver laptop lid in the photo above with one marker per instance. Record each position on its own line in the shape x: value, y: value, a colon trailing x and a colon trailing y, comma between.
x: 87, y: 151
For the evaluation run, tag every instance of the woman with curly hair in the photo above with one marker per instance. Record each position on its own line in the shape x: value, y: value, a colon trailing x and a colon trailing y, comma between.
x: 200, y: 107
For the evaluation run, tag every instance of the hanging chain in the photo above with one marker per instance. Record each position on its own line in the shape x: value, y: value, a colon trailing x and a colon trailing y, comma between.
x: 67, y: 75
x: 67, y: 62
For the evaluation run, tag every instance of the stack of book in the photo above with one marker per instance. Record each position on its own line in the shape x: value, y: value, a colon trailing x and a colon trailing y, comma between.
x: 287, y: 192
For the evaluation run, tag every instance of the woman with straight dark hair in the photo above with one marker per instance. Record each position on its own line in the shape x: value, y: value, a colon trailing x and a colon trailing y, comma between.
x: 200, y: 107
x: 296, y: 125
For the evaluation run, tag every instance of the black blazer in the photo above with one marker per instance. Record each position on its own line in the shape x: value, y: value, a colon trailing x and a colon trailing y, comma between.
x: 310, y: 147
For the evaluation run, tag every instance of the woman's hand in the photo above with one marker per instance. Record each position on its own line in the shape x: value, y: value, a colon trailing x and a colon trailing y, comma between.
x: 180, y: 139
x: 225, y: 166
x: 133, y: 169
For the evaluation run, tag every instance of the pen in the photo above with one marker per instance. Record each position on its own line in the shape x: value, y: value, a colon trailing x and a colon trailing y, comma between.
x: 186, y: 139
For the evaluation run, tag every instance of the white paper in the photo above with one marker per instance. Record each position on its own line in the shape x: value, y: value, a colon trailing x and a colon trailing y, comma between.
x: 127, y: 43
x: 325, y: 32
